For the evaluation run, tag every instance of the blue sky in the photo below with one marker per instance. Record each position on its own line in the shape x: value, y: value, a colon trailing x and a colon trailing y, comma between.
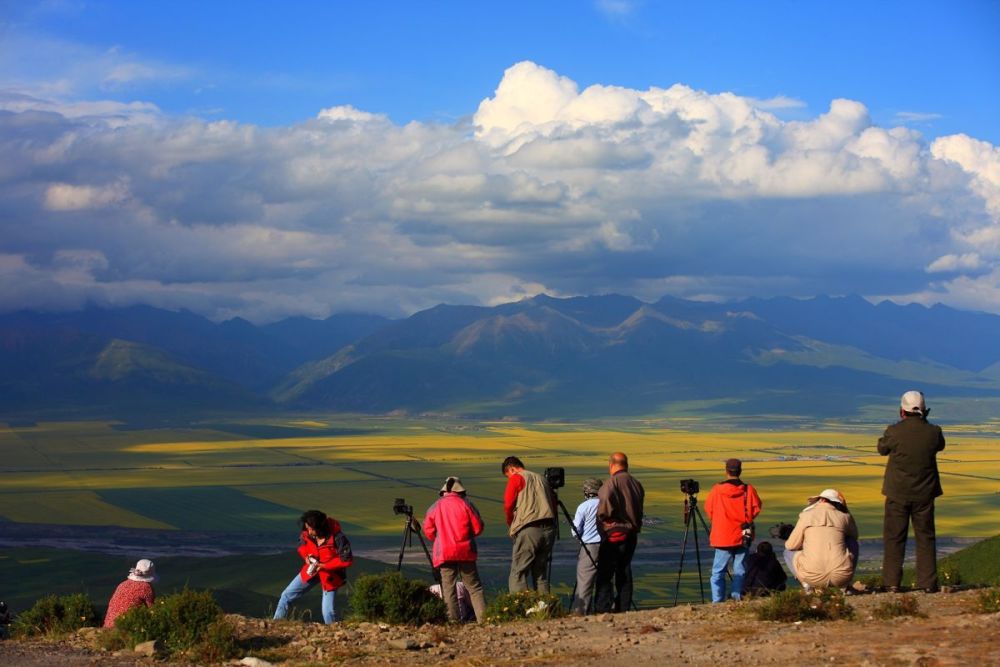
x: 265, y: 159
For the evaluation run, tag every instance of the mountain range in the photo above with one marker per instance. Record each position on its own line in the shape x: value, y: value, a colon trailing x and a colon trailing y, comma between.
x: 543, y: 357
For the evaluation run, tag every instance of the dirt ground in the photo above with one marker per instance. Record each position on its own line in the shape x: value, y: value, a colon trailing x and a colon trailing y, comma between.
x: 951, y: 634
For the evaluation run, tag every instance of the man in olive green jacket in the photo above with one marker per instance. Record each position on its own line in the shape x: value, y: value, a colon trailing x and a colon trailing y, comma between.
x: 910, y: 485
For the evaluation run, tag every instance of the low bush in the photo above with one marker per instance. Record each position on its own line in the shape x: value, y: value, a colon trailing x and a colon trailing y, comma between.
x: 949, y: 575
x: 523, y: 605
x: 904, y: 605
x: 391, y: 598
x: 988, y: 601
x: 828, y: 604
x: 54, y: 615
x: 186, y: 621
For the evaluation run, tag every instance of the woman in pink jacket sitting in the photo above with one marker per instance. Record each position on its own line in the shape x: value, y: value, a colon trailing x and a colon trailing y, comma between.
x: 452, y: 523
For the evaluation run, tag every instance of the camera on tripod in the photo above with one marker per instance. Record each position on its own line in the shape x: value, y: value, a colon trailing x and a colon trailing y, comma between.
x: 400, y: 507
x: 690, y: 486
x: 556, y: 477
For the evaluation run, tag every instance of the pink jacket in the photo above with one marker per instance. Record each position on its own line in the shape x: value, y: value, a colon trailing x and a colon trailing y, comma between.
x: 452, y: 523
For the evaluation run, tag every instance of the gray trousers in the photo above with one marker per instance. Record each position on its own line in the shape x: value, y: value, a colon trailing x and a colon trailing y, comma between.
x: 586, y: 576
x: 450, y: 572
x: 895, y: 526
x: 530, y: 556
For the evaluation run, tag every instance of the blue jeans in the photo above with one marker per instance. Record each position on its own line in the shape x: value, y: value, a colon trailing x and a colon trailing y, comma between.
x: 296, y: 589
x: 719, y: 565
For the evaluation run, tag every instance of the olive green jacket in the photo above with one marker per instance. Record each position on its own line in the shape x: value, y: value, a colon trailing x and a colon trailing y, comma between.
x: 911, y: 475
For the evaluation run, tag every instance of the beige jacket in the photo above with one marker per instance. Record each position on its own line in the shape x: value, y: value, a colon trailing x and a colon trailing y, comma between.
x: 821, y: 534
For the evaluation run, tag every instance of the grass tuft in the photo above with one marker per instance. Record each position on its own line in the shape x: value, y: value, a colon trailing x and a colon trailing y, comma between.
x: 988, y: 601
x: 904, y: 605
x: 796, y: 605
x: 524, y: 605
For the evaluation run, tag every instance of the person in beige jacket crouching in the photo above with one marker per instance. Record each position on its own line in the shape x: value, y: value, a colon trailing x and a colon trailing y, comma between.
x: 822, y: 550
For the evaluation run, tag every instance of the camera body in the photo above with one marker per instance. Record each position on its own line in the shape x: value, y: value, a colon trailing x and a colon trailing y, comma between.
x: 400, y: 507
x: 690, y: 486
x: 747, y: 533
x: 556, y: 477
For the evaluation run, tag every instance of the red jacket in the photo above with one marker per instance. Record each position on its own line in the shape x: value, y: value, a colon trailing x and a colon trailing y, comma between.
x: 334, y: 556
x: 729, y: 505
x: 452, y: 523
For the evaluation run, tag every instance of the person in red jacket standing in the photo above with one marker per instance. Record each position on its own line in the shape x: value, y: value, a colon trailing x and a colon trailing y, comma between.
x: 731, y: 505
x: 452, y: 524
x: 326, y: 553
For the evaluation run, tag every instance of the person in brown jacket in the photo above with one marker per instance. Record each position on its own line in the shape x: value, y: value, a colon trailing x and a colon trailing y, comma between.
x: 910, y: 485
x: 619, y: 520
x: 822, y: 549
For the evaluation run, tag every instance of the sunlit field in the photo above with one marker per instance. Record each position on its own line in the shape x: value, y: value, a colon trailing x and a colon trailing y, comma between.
x: 261, y: 476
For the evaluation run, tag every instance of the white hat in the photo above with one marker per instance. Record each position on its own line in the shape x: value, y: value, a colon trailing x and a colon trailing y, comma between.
x: 144, y: 570
x: 913, y: 401
x: 833, y: 495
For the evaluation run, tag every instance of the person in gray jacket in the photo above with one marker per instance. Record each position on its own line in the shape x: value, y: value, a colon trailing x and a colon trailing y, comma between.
x: 910, y: 485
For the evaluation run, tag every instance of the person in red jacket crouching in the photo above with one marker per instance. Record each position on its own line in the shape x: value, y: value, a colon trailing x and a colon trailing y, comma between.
x: 452, y: 523
x: 326, y: 553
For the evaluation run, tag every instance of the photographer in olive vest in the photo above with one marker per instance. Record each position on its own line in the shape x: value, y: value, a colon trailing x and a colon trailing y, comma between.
x: 910, y: 485
x: 531, y: 515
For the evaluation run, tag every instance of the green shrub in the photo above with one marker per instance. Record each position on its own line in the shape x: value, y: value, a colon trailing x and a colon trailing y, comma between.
x: 904, y: 605
x: 52, y: 615
x: 988, y: 601
x: 186, y: 621
x: 949, y: 574
x: 827, y: 604
x: 524, y: 605
x: 391, y: 598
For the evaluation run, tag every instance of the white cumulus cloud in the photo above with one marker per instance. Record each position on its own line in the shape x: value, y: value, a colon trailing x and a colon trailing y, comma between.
x: 546, y: 186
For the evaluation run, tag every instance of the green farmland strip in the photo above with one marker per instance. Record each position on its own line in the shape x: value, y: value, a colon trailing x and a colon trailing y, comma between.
x: 206, y: 508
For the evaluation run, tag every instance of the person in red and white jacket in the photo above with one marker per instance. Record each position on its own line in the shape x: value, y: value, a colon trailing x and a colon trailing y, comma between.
x: 326, y: 555
x: 452, y: 524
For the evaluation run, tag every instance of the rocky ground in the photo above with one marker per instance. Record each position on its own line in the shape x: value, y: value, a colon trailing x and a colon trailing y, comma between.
x: 951, y: 634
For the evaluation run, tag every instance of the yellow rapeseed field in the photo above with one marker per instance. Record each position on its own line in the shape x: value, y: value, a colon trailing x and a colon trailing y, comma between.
x: 83, y: 472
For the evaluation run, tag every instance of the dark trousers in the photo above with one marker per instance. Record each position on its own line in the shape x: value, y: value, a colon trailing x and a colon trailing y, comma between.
x: 896, y: 524
x: 614, y: 572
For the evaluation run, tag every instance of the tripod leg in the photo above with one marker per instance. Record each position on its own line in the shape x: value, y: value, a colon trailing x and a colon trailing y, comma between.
x: 434, y: 571
x: 697, y: 550
x: 402, y: 547
x: 680, y: 568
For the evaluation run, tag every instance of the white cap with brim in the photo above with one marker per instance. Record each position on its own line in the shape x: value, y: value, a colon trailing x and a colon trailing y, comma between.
x: 833, y: 495
x: 913, y: 401
x: 144, y: 570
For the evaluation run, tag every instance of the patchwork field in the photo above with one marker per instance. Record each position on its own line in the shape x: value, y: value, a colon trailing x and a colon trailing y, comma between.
x: 256, y: 478
x: 259, y: 477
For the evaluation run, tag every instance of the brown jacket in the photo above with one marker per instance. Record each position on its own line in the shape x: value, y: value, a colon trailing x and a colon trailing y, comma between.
x: 619, y: 507
x: 911, y: 474
x: 821, y: 533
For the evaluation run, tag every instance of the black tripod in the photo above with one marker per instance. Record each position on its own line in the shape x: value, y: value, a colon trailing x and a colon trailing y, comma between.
x: 411, y: 527
x: 691, y: 517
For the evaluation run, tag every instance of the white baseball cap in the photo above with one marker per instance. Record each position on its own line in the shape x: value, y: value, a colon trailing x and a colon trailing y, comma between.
x: 913, y: 401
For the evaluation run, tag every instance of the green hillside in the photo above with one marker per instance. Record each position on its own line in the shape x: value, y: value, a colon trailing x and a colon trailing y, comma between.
x: 978, y: 564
